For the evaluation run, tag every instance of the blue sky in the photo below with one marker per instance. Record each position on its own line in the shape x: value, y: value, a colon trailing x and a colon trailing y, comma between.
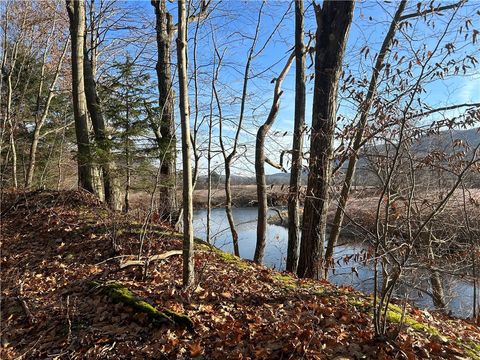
x: 233, y: 23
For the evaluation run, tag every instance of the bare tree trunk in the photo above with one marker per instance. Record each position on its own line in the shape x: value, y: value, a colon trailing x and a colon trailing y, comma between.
x: 299, y: 128
x: 229, y: 158
x: 126, y: 205
x: 11, y: 124
x: 333, y: 23
x: 364, y: 112
x: 475, y: 288
x: 188, y: 261
x: 471, y: 236
x: 209, y: 179
x: 4, y: 45
x: 8, y: 115
x: 165, y: 31
x: 76, y: 14
x: 60, y: 155
x: 216, y: 70
x: 438, y: 294
x: 196, y: 124
x: 260, y: 159
x: 228, y: 206
x: 111, y: 186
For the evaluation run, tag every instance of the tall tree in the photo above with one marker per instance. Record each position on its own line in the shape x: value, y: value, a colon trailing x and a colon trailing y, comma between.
x: 86, y: 173
x: 165, y: 32
x: 125, y: 107
x: 299, y: 128
x: 111, y: 186
x: 229, y: 157
x: 333, y: 24
x: 188, y: 264
x: 167, y: 142
x: 364, y: 112
x: 10, y: 66
x: 260, y: 160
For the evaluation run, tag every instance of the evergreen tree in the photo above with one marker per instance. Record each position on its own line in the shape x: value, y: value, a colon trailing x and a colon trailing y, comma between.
x: 127, y: 110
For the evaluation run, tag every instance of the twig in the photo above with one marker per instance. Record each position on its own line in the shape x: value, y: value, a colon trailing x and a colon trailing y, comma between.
x: 113, y: 258
x: 69, y: 322
x: 23, y: 302
x: 150, y: 259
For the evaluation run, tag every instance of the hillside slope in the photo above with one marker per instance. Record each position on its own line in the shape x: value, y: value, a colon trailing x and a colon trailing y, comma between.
x: 65, y: 295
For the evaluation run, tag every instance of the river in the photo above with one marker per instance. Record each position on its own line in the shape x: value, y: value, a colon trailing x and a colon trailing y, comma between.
x: 352, y: 273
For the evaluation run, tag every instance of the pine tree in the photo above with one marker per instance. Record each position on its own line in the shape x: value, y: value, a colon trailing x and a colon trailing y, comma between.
x: 127, y: 109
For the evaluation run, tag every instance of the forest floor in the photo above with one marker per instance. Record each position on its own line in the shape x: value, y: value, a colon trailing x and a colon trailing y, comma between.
x: 63, y: 257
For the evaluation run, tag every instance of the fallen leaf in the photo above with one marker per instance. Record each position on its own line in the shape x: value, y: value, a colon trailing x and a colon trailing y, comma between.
x: 195, y: 349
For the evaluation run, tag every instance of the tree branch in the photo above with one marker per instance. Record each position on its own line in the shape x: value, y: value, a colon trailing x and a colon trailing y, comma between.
x: 432, y: 10
x: 445, y: 108
x: 275, y: 165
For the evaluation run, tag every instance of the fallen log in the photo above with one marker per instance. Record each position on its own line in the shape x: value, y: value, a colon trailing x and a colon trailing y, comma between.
x: 121, y: 294
x: 147, y: 261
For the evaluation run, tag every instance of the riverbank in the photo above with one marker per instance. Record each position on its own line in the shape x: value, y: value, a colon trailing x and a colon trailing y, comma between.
x: 351, y: 230
x: 242, y: 196
x: 64, y: 255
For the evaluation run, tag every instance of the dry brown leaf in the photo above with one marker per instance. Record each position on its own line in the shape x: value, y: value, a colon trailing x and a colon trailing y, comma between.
x: 195, y: 349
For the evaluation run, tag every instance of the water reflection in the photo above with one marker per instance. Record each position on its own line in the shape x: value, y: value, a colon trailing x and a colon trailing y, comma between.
x: 355, y: 273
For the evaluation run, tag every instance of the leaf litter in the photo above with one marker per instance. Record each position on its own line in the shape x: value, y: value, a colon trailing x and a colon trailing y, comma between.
x: 55, y: 244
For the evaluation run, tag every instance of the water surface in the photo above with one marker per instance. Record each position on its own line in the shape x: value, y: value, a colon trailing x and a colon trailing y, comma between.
x: 347, y: 271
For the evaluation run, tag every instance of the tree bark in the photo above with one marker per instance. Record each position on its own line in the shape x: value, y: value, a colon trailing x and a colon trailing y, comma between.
x: 76, y: 14
x: 357, y: 144
x: 167, y: 143
x: 333, y: 23
x: 299, y: 128
x: 111, y: 186
x: 126, y: 205
x: 8, y: 113
x: 188, y: 261
x: 12, y: 125
x: 216, y: 70
x: 260, y: 165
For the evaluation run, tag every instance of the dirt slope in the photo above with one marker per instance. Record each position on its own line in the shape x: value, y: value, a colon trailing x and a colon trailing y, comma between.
x: 57, y: 247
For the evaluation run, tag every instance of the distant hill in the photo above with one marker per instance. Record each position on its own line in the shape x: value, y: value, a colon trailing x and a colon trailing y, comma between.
x: 442, y: 141
x: 446, y: 142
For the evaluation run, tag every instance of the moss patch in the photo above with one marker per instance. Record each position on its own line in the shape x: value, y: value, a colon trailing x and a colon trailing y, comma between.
x: 286, y: 281
x: 119, y: 293
x: 225, y: 256
x: 232, y: 259
x: 395, y: 317
x: 471, y: 348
